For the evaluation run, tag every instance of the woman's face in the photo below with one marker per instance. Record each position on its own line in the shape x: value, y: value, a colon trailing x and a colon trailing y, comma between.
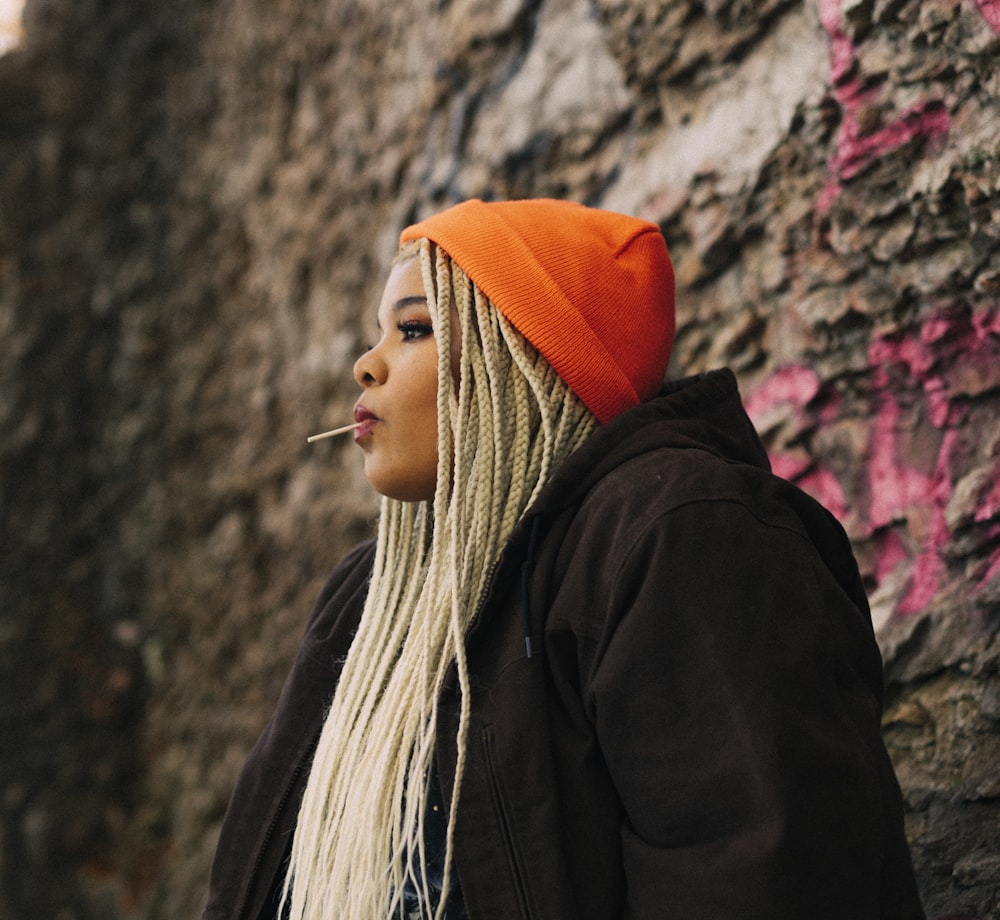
x: 398, y: 408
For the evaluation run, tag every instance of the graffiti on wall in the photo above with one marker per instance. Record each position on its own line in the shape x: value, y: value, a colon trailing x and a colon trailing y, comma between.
x: 991, y: 12
x: 857, y: 145
x: 928, y: 473
x: 925, y: 478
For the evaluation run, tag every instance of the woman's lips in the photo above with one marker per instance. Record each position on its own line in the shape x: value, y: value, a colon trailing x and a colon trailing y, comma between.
x: 366, y: 420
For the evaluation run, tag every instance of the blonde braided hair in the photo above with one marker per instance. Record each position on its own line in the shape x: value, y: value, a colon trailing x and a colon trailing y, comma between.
x: 506, y: 420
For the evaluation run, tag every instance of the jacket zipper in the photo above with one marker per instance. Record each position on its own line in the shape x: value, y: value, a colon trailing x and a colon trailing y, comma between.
x: 282, y: 802
x: 506, y: 827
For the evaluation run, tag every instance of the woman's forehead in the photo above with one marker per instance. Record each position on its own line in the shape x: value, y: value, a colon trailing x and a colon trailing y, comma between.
x: 404, y: 289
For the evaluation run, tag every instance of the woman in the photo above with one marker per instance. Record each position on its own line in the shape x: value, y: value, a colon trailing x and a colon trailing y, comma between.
x: 598, y: 662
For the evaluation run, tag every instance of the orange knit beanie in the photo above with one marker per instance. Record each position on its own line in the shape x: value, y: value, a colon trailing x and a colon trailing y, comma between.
x: 592, y: 290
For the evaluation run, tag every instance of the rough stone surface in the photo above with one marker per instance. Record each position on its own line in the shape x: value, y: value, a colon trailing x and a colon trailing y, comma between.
x: 198, y: 203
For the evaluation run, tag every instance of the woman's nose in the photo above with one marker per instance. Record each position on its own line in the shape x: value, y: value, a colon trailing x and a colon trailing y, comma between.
x: 369, y: 369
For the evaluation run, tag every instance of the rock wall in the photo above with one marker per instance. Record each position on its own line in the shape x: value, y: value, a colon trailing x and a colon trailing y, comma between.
x: 198, y: 203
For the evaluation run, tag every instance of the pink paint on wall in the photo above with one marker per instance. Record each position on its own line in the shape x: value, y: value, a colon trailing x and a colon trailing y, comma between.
x: 789, y: 466
x: 928, y: 566
x: 900, y: 490
x: 856, y: 150
x: 893, y: 485
x: 794, y: 386
x: 822, y: 485
x: 993, y: 567
x: 841, y: 47
x: 856, y: 146
x: 991, y: 12
x: 903, y: 511
x: 985, y: 325
x: 989, y: 506
x: 892, y: 555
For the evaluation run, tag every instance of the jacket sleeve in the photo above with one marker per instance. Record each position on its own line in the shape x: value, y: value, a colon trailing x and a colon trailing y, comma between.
x: 736, y: 692
x: 262, y: 811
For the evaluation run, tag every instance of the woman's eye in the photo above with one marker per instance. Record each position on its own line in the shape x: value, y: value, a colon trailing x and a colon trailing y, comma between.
x: 413, y: 330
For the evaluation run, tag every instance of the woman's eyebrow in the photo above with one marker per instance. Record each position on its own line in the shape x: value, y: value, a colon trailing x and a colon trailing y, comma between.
x: 413, y: 300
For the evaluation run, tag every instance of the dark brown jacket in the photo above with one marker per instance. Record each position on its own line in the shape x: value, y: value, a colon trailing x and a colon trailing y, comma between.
x: 696, y: 732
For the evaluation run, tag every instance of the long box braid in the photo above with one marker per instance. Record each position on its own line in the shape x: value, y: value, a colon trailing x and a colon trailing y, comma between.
x: 506, y: 421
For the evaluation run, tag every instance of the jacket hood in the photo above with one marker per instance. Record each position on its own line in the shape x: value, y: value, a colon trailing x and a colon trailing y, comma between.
x: 703, y: 412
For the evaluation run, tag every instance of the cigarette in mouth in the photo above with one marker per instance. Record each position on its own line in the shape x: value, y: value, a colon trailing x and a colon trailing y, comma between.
x: 336, y: 431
